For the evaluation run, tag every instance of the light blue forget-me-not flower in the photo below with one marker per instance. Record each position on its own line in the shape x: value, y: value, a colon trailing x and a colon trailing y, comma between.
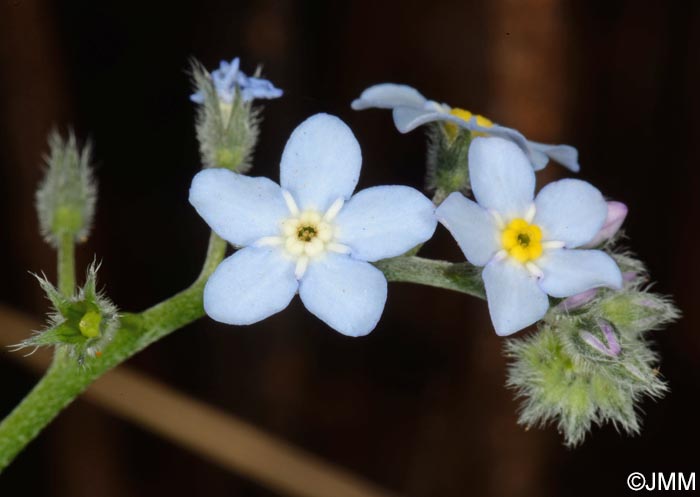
x: 309, y: 234
x: 410, y: 109
x: 529, y: 246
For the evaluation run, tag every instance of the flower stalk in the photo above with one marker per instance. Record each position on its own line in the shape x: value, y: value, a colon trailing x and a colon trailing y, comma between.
x: 66, y: 264
x: 67, y: 378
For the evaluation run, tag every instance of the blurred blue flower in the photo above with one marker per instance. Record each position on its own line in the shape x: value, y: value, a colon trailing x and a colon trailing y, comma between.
x: 411, y: 109
x: 228, y: 79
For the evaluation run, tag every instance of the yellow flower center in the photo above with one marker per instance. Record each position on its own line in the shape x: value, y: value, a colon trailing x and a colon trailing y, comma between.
x: 452, y: 129
x: 522, y: 240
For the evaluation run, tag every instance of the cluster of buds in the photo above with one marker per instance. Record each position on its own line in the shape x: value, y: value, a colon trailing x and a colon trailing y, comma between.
x: 590, y: 362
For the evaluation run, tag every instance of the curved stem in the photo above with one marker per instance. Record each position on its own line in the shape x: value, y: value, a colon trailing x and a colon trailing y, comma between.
x: 66, y: 379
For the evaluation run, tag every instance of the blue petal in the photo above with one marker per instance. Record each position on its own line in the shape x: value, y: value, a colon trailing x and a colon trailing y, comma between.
x: 240, y: 209
x: 566, y: 155
x: 408, y: 118
x: 321, y: 162
x: 197, y: 97
x: 539, y: 154
x: 388, y: 96
x: 346, y: 294
x: 472, y: 227
x: 515, y: 299
x: 501, y: 176
x: 385, y: 221
x: 249, y: 286
x: 257, y: 88
x: 570, y: 211
x: 569, y: 272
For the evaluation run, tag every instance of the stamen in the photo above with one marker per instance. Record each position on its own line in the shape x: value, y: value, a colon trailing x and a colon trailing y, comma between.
x: 334, y: 209
x: 500, y: 255
x: 314, y: 247
x: 269, y: 241
x: 291, y: 204
x: 534, y: 270
x: 550, y: 245
x: 339, y: 248
x: 300, y: 269
x: 530, y: 214
x: 500, y: 223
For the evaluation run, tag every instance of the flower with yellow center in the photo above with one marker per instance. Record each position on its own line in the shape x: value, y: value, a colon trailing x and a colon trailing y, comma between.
x: 310, y: 234
x: 410, y: 109
x: 522, y: 240
x: 526, y: 243
x: 452, y: 129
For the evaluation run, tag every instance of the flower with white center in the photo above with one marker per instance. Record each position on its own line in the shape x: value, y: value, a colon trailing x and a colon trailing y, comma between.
x: 411, y: 109
x: 228, y: 79
x: 310, y: 234
x: 525, y: 243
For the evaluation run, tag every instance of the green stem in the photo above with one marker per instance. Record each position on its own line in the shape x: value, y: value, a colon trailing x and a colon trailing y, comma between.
x: 66, y: 264
x: 460, y: 277
x: 66, y: 379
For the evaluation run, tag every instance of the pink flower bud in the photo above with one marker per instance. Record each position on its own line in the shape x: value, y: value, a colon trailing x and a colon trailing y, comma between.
x: 617, y: 212
x: 611, y: 347
x: 578, y: 300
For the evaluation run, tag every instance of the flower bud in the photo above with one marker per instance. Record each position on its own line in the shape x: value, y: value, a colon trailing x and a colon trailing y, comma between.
x: 611, y: 347
x: 617, y: 212
x: 577, y: 301
x: 65, y: 200
x: 577, y: 379
x: 638, y: 311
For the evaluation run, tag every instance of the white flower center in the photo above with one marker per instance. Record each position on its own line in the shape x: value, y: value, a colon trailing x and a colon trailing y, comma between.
x: 307, y: 234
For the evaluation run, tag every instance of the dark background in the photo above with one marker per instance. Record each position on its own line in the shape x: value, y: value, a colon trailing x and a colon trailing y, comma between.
x: 418, y: 406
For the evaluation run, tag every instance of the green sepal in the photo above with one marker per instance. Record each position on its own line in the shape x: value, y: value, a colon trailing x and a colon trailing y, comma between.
x: 447, y: 162
x: 83, y: 323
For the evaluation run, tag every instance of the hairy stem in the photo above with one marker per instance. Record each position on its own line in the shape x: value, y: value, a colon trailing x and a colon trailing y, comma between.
x: 66, y: 379
x: 66, y: 264
x: 460, y: 277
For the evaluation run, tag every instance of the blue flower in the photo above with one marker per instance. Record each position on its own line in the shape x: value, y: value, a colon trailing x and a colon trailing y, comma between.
x: 310, y: 235
x: 228, y: 79
x: 411, y: 109
x: 526, y: 244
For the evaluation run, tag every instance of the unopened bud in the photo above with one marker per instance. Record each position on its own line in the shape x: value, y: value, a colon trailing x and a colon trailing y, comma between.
x: 617, y: 212
x: 65, y: 200
x: 577, y: 301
